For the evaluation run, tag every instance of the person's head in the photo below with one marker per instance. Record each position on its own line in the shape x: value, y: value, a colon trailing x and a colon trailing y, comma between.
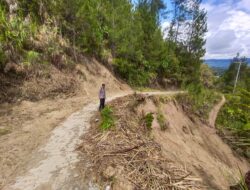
x: 103, y: 85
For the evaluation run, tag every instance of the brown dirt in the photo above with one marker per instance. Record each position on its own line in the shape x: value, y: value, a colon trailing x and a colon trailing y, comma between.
x: 26, y: 126
x: 29, y: 124
x: 188, y: 143
x: 126, y: 157
x: 214, y: 112
x: 199, y: 148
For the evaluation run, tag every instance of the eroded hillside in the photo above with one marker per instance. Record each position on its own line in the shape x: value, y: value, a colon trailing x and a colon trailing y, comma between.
x: 26, y: 125
x: 155, y: 144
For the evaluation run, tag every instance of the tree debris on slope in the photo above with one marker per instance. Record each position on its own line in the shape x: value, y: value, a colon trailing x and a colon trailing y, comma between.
x: 126, y: 157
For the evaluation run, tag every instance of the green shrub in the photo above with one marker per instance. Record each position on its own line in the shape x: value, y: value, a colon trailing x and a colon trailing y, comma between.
x: 130, y: 72
x: 162, y: 122
x: 235, y: 114
x: 200, y: 99
x: 108, y: 120
x: 2, y: 57
x: 31, y: 57
x: 14, y: 34
x: 148, y: 120
x: 242, y: 183
x: 235, y: 118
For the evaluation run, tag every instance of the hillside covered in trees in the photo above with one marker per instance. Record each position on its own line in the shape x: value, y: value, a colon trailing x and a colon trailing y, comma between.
x: 124, y: 35
x: 64, y: 49
x: 234, y: 118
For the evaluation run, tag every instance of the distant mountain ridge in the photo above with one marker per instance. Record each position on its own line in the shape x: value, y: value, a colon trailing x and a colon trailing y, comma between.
x: 220, y: 63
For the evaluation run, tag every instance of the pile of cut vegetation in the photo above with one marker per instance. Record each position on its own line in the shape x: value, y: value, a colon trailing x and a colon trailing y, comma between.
x: 123, y: 155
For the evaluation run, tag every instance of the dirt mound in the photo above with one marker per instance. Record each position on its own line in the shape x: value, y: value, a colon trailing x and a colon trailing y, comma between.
x: 145, y: 158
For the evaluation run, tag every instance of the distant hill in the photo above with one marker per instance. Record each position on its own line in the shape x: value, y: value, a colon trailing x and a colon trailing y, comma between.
x: 220, y: 65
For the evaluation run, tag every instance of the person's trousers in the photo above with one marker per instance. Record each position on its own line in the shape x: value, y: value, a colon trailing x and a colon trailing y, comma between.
x: 102, y: 103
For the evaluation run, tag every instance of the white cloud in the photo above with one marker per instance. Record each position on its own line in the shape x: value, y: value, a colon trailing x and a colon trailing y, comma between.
x: 165, y: 27
x: 229, y: 29
x: 225, y: 39
x: 207, y: 6
x: 244, y: 4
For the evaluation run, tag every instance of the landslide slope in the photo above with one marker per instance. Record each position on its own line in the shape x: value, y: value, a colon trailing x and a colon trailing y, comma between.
x: 186, y: 154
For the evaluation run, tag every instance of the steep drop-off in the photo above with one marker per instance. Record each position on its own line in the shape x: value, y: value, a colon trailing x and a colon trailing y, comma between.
x: 178, y: 150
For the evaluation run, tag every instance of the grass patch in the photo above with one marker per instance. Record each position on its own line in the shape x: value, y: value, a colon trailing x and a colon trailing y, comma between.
x: 31, y: 57
x: 4, y: 132
x: 162, y: 122
x: 148, y: 120
x: 166, y: 99
x: 242, y: 183
x: 199, y: 100
x: 108, y: 120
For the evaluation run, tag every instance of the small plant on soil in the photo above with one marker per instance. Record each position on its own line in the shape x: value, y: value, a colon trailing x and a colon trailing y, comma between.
x: 162, y: 122
x: 242, y: 183
x: 165, y: 99
x: 31, y: 57
x: 148, y: 120
x: 4, y: 131
x: 107, y: 118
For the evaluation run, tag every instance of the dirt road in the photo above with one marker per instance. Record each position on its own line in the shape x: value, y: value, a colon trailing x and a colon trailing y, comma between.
x: 214, y: 112
x: 52, y: 166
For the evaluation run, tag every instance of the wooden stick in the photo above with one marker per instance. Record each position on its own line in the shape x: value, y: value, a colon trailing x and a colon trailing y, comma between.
x: 127, y: 149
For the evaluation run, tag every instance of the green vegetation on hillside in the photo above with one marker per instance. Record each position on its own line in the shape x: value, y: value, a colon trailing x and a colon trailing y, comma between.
x: 228, y: 79
x: 234, y: 117
x: 200, y: 100
x: 129, y: 33
x: 235, y: 114
x: 127, y: 37
x: 107, y: 118
x: 234, y: 121
x: 162, y: 121
x: 148, y: 119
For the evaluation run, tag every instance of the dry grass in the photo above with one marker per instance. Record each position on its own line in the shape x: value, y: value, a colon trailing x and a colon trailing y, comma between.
x: 49, y: 84
x: 39, y: 81
x: 132, y: 154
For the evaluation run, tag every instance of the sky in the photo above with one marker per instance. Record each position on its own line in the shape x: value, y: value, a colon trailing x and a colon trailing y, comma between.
x: 228, y: 28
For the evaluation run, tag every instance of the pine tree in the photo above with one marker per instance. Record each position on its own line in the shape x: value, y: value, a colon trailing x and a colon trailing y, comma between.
x: 180, y: 13
x: 191, y: 49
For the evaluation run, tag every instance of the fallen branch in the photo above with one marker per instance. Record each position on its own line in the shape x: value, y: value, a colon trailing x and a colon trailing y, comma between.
x: 127, y: 149
x: 136, y: 159
x: 180, y: 179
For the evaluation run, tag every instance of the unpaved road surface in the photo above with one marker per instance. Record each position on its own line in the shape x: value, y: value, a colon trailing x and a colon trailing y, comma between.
x: 30, y: 123
x: 214, y: 112
x: 52, y: 166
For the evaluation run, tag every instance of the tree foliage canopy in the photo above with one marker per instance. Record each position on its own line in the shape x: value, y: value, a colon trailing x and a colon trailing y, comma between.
x: 130, y: 32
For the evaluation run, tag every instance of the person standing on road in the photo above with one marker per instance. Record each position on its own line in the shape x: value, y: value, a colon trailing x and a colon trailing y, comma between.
x: 102, y: 97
